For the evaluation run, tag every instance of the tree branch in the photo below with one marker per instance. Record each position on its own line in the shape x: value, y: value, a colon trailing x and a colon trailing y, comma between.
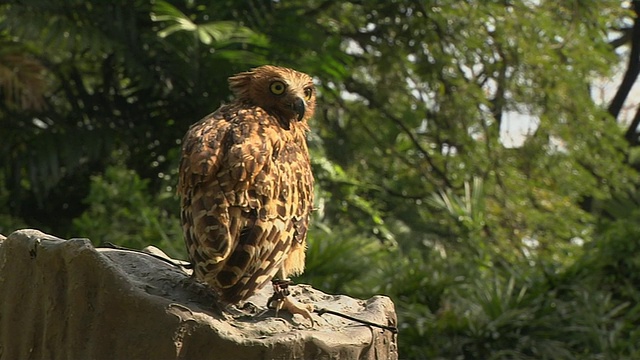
x: 623, y: 39
x: 631, y: 135
x: 633, y: 67
x: 353, y: 86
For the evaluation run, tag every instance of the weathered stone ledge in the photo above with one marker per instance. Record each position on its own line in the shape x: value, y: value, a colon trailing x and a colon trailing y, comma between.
x: 65, y: 299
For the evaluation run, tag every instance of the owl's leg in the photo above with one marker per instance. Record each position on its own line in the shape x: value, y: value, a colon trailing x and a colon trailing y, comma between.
x: 280, y: 292
x: 281, y: 300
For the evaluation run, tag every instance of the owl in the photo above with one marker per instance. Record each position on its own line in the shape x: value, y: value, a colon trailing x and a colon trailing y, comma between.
x: 246, y: 185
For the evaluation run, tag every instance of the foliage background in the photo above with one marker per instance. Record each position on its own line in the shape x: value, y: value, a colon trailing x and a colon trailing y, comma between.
x: 490, y: 249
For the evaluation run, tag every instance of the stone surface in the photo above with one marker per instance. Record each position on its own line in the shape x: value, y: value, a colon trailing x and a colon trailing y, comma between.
x: 65, y: 299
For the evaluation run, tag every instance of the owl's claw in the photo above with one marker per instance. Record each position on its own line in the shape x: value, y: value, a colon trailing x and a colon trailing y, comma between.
x: 281, y: 300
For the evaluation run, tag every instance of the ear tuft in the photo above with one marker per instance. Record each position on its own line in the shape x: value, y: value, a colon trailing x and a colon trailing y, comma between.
x: 239, y: 83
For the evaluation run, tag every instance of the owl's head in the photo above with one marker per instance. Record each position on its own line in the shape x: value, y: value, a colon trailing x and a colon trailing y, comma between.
x: 287, y: 94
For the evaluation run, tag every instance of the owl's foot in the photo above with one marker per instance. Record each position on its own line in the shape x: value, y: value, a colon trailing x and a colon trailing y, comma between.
x: 281, y: 300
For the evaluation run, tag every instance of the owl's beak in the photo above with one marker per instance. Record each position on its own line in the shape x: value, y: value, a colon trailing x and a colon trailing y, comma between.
x: 299, y: 107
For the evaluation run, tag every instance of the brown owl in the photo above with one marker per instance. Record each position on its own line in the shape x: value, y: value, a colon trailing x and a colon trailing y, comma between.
x: 246, y: 185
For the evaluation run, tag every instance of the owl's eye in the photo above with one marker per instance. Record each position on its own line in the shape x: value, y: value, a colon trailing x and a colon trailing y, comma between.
x: 307, y: 93
x: 277, y: 87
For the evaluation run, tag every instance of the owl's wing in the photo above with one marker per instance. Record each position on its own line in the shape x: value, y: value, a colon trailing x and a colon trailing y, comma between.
x: 223, y: 191
x: 201, y: 201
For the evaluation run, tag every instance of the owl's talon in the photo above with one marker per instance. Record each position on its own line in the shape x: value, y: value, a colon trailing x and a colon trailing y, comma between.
x: 281, y: 300
x: 294, y: 307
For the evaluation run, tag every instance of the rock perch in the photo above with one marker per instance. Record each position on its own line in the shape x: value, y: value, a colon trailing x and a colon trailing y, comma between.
x: 65, y: 299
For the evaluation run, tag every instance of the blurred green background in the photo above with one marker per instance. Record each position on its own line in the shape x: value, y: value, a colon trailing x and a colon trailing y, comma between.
x: 476, y: 161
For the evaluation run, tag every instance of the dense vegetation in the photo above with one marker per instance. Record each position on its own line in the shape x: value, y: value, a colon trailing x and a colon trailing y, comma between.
x: 491, y: 247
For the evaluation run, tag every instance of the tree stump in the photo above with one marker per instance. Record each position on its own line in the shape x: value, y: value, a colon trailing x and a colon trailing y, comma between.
x: 65, y: 299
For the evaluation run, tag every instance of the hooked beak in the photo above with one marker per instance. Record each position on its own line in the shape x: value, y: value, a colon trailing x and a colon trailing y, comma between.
x: 299, y: 107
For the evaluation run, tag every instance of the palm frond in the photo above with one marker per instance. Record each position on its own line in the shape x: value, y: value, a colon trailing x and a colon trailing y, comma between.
x: 217, y: 34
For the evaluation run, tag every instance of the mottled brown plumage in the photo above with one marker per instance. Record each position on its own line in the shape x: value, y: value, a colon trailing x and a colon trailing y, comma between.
x: 246, y: 185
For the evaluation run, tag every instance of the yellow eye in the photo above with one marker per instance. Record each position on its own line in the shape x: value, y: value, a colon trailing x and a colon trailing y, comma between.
x: 307, y: 93
x: 277, y: 87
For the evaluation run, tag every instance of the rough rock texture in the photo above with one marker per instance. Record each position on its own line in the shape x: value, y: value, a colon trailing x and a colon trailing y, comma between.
x: 65, y: 299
